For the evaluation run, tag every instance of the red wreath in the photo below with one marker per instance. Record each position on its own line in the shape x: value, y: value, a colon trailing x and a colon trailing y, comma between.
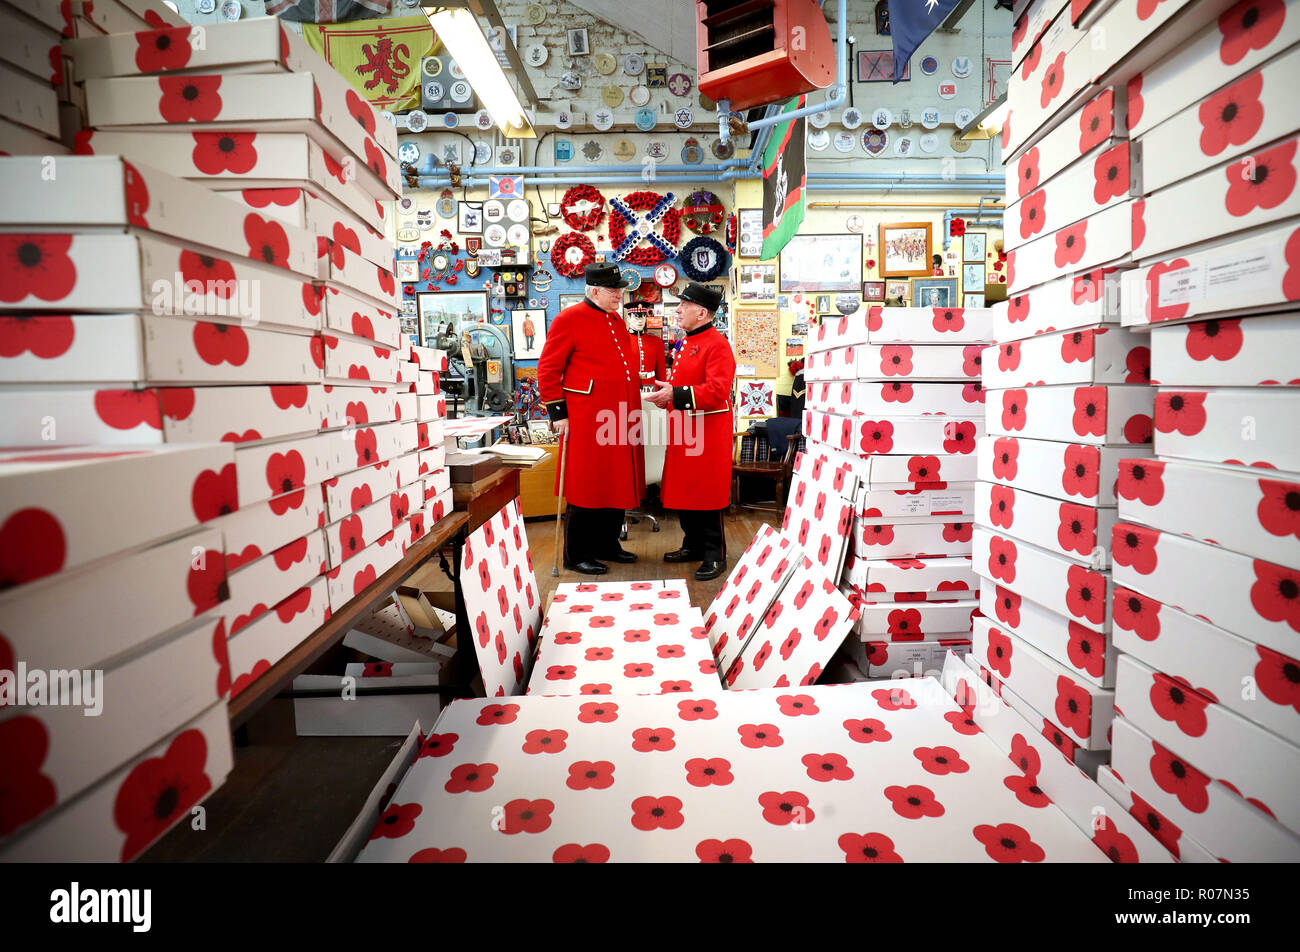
x: 703, y: 213
x: 592, y: 218
x: 563, y: 244
x: 957, y: 227
x: 671, y: 230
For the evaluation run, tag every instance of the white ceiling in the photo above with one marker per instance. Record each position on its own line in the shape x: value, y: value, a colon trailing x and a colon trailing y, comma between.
x: 667, y: 26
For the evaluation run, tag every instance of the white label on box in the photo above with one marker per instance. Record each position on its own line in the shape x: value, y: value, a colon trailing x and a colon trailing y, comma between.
x: 1182, y: 286
x: 916, y: 506
x: 949, y: 502
x: 1241, y: 273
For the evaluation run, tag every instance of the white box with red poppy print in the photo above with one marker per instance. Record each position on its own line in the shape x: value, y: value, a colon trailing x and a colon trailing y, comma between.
x: 48, y: 516
x: 914, y: 621
x: 879, y: 660
x: 1182, y: 848
x: 1080, y: 707
x: 1082, y: 300
x: 1098, y: 415
x: 1094, y: 182
x: 28, y: 101
x: 239, y: 414
x: 1255, y: 189
x: 430, y: 434
x: 109, y: 192
x: 273, y: 634
x: 1230, y: 352
x: 273, y: 469
x: 1080, y: 593
x: 874, y: 398
x: 369, y: 712
x: 44, y: 623
x: 910, y: 537
x: 893, y: 472
x: 19, y: 140
x: 1217, y: 663
x: 425, y: 383
x: 1079, y: 531
x: 32, y: 47
x: 373, y: 282
x: 1032, y: 21
x: 1255, y: 512
x: 354, y: 491
x: 349, y: 405
x: 351, y: 535
x: 1216, y: 818
x: 1086, y: 652
x: 139, y: 699
x: 354, y: 448
x: 1251, y: 426
x: 432, y: 409
x: 1098, y: 123
x: 883, y: 579
x: 899, y: 434
x: 759, y: 574
x: 348, y: 313
x: 903, y: 361
x: 261, y: 527
x: 919, y: 499
x: 213, y: 352
x: 1074, y: 472
x: 432, y: 459
x: 429, y: 358
x: 348, y: 361
x: 1057, y: 68
x: 271, y: 578
x: 117, y: 819
x: 1091, y: 356
x: 1100, y: 239
x: 406, y: 406
x: 907, y: 325
x: 330, y: 224
x: 1253, y: 598
x: 437, y: 483
x: 1247, y: 274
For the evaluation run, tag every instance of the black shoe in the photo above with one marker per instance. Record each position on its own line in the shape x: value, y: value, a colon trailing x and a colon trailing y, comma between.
x: 590, y: 567
x: 681, y: 555
x: 620, y: 555
x: 709, y: 570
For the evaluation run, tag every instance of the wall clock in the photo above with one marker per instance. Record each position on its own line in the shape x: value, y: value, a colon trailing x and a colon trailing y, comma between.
x: 665, y: 275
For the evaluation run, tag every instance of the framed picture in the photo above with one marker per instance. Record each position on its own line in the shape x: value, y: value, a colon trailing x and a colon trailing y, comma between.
x: 877, y: 66
x: 473, y: 245
x: 873, y: 291
x: 539, y: 431
x: 578, y: 45
x: 905, y: 249
x: 568, y: 300
x: 408, y: 270
x: 783, y: 302
x: 897, y: 289
x: 823, y: 303
x: 529, y: 335
x: 934, y: 292
x: 974, y: 246
x: 758, y: 282
x: 822, y: 263
x: 459, y: 309
x: 469, y: 218
x: 749, y: 227
x: 972, y: 278
x: 973, y: 300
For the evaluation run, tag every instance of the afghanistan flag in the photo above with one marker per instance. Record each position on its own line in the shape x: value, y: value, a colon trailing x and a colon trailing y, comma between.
x: 910, y: 22
x: 380, y: 58
x: 785, y: 175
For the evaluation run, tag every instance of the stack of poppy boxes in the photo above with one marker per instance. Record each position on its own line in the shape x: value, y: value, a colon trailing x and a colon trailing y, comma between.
x: 895, y: 395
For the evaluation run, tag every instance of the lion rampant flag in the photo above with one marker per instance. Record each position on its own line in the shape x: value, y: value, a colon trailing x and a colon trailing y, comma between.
x: 381, y: 58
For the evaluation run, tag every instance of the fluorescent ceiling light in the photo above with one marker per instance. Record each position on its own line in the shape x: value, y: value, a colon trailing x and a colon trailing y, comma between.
x: 460, y: 32
x: 989, y: 122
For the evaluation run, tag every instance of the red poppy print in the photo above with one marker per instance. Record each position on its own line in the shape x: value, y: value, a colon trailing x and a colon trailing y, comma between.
x: 1135, y: 547
x: 1077, y: 529
x: 1111, y: 175
x: 1085, y: 593
x: 1279, y: 508
x: 1275, y: 595
x: 159, y: 790
x: 1029, y: 64
x: 962, y: 723
x: 527, y: 816
x: 641, y: 670
x: 1002, y: 503
x: 497, y: 714
x: 1033, y: 214
x: 438, y: 745
x: 913, y: 802
x: 577, y: 853
x: 471, y: 778
x: 948, y: 319
x: 1014, y: 409
x: 1009, y: 356
x: 657, y: 813
x: 1216, y: 340
x: 868, y: 848
x: 1117, y: 847
x: 1053, y: 81
x: 755, y: 736
x: 1180, y: 779
x: 1073, y: 706
x: 972, y: 360
x: 795, y: 705
x: 1007, y: 842
x: 1180, y: 411
x: 786, y: 809
x: 43, y: 337
x: 867, y: 730
x: 25, y: 792
x: 1002, y: 559
x: 1026, y: 789
x: 1007, y: 606
x: 693, y: 709
x: 1006, y: 451
x: 959, y: 437
x: 37, y: 266
x: 1096, y: 122
x: 893, y: 699
x: 940, y: 760
x: 905, y: 625
x: 1077, y: 347
x: 590, y: 775
x: 1025, y: 756
x: 219, y: 153
x: 1278, y: 677
x: 1071, y: 243
x: 896, y: 392
x: 189, y: 98
x: 1250, y: 25
x: 1264, y: 180
x: 1137, y: 613
x: 376, y: 163
x: 1086, y: 650
x: 160, y: 50
x: 1089, y: 411
x: 1027, y: 173
x: 877, y: 436
x: 646, y: 739
x: 708, y: 772
x: 267, y: 241
x: 1174, y: 699
x: 1232, y: 116
x: 724, y: 851
x: 896, y: 360
x: 999, y: 653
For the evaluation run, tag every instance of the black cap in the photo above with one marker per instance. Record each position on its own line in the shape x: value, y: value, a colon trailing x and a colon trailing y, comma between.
x: 603, y: 276
x: 706, y: 295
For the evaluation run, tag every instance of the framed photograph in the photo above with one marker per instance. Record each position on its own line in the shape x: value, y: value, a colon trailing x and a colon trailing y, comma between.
x: 974, y: 246
x: 973, y: 300
x: 822, y: 263
x: 897, y: 289
x: 578, y: 45
x: 459, y: 309
x: 873, y: 291
x: 568, y: 300
x: 469, y: 218
x: 823, y: 304
x: 934, y: 292
x: 749, y: 231
x: 539, y: 431
x: 529, y: 327
x: 972, y: 278
x: 877, y: 66
x: 906, y: 249
x: 408, y: 270
x: 758, y: 282
x: 783, y: 302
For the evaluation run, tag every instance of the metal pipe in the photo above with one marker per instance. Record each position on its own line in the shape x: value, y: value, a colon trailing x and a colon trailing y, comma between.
x: 429, y: 167
x: 838, y: 94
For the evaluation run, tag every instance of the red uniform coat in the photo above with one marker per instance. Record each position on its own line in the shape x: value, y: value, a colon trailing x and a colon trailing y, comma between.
x: 697, y: 465
x: 650, y: 354
x: 587, y: 374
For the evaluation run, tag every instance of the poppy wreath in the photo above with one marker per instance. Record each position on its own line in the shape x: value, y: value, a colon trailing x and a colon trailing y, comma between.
x: 560, y: 250
x: 731, y: 233
x: 656, y: 207
x: 584, y: 221
x: 687, y: 259
x: 957, y: 227
x: 703, y: 213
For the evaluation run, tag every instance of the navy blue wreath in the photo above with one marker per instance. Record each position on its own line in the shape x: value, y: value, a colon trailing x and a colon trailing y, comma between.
x: 686, y: 257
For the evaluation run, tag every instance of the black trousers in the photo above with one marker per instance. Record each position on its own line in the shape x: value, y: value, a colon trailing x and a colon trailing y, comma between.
x: 703, y: 533
x: 591, y: 533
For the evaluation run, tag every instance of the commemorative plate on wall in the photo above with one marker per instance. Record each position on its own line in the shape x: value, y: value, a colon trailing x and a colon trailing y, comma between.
x: 684, y: 117
x: 820, y: 120
x: 656, y: 149
x: 494, y: 235
x: 958, y: 143
x: 493, y: 210
x: 722, y: 150
x: 518, y: 209
x: 603, y: 119
x: 930, y: 117
x: 928, y: 142
x: 483, y: 120
x: 819, y: 140
x: 536, y: 54
x: 962, y: 117
x: 624, y: 150
x: 845, y: 141
x: 612, y: 96
x: 631, y: 279
x: 882, y: 118
x: 851, y: 118
x: 875, y: 141
x: 645, y: 118
x: 408, y: 152
x: 904, y: 146
x: 604, y: 63
x: 633, y: 64
x: 638, y: 95
x: 692, y: 153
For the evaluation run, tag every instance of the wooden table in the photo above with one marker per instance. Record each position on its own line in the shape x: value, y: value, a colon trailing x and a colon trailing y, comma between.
x: 483, y: 499
x: 537, y: 485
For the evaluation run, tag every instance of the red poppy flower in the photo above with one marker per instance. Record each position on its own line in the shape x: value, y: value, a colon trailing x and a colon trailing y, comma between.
x: 1002, y: 559
x: 1007, y: 606
x: 1011, y: 268
x: 218, y: 153
x: 1180, y: 411
x: 962, y: 722
x: 471, y: 778
x: 1096, y: 122
x: 1053, y: 80
x: 25, y: 792
x: 594, y: 688
x: 1027, y: 173
x: 1165, y: 832
x: 1250, y: 25
x: 498, y: 714
x: 1007, y: 842
x: 1014, y: 409
x: 189, y: 98
x: 1086, y: 649
x: 1033, y: 214
x: 1175, y: 699
x: 44, y: 337
x: 361, y: 111
x: 1006, y: 450
x: 877, y: 436
x: 1085, y: 594
x: 645, y: 739
x: 1279, y: 507
x: 1138, y: 364
x: 913, y: 802
x: 958, y: 532
x: 1276, y: 593
x: 784, y: 809
x: 905, y: 625
x: 36, y: 265
x: 1089, y: 411
x: 1135, y: 547
x: 440, y: 745
x: 1077, y: 531
x: 1079, y: 476
x: 795, y: 705
x: 160, y: 50
x: 867, y: 730
x: 267, y: 241
x: 1026, y: 789
x: 708, y: 772
x: 1073, y: 706
x: 642, y: 670
x: 160, y: 790
x: 755, y: 736
x: 1025, y: 756
x: 590, y: 775
x: 435, y: 855
x: 948, y: 319
x: 893, y: 699
x: 697, y: 709
x: 959, y: 437
x: 1220, y: 340
x: 376, y: 163
x: 1264, y: 180
x: 1077, y: 346
x: 868, y: 848
x: 1278, y: 677
x: 896, y: 392
x: 577, y: 853
x: 724, y: 851
x: 1232, y: 116
x: 561, y: 672
x: 1027, y: 67
x: 1009, y: 356
x: 657, y: 813
x: 999, y: 653
x: 1071, y: 243
x: 1002, y: 503
x: 527, y: 816
x: 1111, y: 174
x: 1179, y: 778
x: 972, y: 360
x: 896, y: 360
x: 940, y: 760
x: 1137, y: 613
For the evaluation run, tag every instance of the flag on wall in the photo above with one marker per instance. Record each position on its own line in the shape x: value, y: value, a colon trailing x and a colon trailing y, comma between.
x: 505, y: 186
x: 910, y: 23
x: 380, y: 58
x: 327, y: 11
x: 784, y: 181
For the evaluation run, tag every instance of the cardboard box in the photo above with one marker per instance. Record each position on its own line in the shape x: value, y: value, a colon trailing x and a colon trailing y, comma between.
x: 350, y: 405
x: 1253, y: 512
x: 915, y: 499
x: 270, y: 579
x: 1241, y: 275
x: 350, y: 361
x: 425, y: 383
x: 348, y: 313
x: 384, y: 635
x: 1249, y: 597
x: 1098, y: 123
x: 1030, y: 25
x: 1081, y: 708
x: 1098, y: 180
x: 356, y: 447
x: 437, y: 483
x: 374, y: 283
x: 1082, y: 300
x: 275, y: 469
x: 355, y: 491
x: 904, y: 325
x: 1099, y: 239
x: 51, y: 517
x: 1250, y: 426
x: 1056, y: 70
x: 45, y: 624
x: 16, y: 139
x: 1127, y: 37
x: 335, y: 225
x: 751, y: 588
x: 429, y: 358
x: 916, y: 537
x: 818, y: 516
x: 271, y: 636
x: 88, y: 830
x: 1074, y: 472
x: 262, y: 527
x: 430, y: 434
x: 901, y: 434
x: 1098, y: 415
x: 28, y: 101
x: 1043, y: 577
x: 897, y: 362
x: 1182, y: 848
x: 432, y: 459
x: 367, y: 711
x: 1089, y: 356
x: 1226, y: 353
x: 1217, y: 662
x: 351, y: 535
x: 870, y: 398
x: 949, y: 577
x: 1225, y: 824
x: 879, y: 660
x: 406, y: 407
x: 31, y: 46
x: 915, y: 621
x: 1089, y: 654
x: 1077, y: 531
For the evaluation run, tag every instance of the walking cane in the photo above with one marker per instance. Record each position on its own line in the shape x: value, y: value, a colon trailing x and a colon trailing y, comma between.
x: 559, y: 505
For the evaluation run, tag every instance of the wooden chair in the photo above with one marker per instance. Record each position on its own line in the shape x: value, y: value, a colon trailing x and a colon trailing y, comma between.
x: 750, y: 458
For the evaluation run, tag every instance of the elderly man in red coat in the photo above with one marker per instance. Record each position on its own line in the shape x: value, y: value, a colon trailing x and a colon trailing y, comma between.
x: 588, y: 376
x: 697, y: 466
